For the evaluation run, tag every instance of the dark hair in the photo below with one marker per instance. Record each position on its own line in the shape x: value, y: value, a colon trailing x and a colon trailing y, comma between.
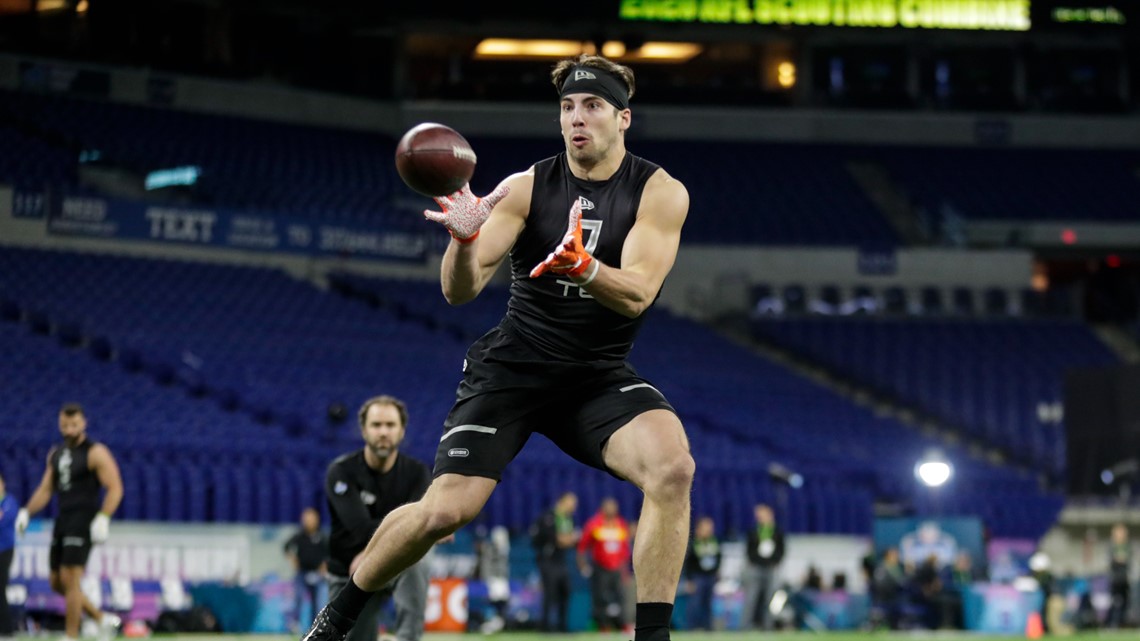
x: 71, y: 409
x: 384, y: 399
x: 621, y: 72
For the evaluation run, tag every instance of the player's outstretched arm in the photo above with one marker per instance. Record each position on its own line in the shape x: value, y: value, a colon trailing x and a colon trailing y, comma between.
x: 647, y: 256
x: 470, y: 262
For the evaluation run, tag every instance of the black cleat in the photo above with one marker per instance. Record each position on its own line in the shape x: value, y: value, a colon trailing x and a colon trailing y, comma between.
x: 328, y: 626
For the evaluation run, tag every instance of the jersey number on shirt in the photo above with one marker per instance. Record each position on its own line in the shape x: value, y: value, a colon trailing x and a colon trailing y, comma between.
x: 590, y: 240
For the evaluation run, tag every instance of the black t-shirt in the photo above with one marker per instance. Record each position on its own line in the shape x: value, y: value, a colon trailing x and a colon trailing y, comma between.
x: 360, y: 497
x: 550, y: 312
x: 544, y: 536
x: 765, y: 546
x: 76, y: 483
x: 703, y: 558
x: 311, y: 550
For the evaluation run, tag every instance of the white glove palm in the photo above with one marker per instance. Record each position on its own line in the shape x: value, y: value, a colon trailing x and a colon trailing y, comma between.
x: 463, y: 213
x: 22, y: 518
x: 100, y: 528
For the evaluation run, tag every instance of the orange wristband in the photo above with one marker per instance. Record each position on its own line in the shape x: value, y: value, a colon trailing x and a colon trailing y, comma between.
x: 592, y: 268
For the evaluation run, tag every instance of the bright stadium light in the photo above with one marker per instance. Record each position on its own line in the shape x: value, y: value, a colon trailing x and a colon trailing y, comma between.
x: 933, y: 470
x: 520, y: 49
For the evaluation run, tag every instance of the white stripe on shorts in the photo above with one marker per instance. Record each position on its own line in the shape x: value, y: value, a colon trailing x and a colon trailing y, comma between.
x: 468, y: 428
x: 637, y: 385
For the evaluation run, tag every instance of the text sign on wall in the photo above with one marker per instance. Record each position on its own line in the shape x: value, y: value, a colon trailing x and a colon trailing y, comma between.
x: 190, y: 557
x: 72, y: 215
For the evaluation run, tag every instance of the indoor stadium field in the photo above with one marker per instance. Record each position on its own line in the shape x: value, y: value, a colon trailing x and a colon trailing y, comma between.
x: 631, y: 320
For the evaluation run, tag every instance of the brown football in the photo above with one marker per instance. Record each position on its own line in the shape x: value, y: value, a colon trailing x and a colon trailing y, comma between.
x: 434, y: 159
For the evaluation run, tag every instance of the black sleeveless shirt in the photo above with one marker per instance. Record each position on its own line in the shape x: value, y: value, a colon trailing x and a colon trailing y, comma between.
x: 77, y: 485
x: 551, y: 313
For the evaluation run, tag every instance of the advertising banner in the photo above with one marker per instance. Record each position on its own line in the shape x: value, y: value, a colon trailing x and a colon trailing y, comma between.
x: 918, y: 538
x: 72, y: 215
x: 446, y: 606
x: 144, y: 556
x: 995, y: 608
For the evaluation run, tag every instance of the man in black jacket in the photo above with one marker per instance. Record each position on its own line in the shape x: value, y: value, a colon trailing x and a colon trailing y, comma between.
x: 362, y: 487
x: 551, y: 536
x: 765, y: 552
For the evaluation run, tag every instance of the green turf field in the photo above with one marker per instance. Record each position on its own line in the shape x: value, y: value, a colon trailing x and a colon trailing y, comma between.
x: 700, y: 636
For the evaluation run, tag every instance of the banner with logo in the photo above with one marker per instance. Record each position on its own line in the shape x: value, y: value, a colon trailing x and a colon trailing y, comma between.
x: 71, y: 215
x: 917, y: 539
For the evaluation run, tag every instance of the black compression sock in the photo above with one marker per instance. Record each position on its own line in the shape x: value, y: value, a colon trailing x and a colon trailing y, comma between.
x: 350, y: 601
x: 651, y: 623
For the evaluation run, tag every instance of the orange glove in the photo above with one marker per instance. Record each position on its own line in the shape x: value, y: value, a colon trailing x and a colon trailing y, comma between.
x: 569, y: 258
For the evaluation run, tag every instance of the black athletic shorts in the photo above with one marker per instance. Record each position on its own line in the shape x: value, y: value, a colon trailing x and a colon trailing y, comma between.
x: 70, y: 540
x: 510, y: 391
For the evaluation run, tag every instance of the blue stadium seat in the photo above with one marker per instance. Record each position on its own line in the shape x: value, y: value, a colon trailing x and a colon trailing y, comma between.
x: 268, y: 341
x: 985, y: 377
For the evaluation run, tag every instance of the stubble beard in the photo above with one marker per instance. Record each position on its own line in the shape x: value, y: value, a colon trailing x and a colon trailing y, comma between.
x: 588, y: 157
x: 591, y: 155
x: 382, y: 453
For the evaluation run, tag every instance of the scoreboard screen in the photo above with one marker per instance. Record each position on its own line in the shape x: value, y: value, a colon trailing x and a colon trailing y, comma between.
x: 979, y: 15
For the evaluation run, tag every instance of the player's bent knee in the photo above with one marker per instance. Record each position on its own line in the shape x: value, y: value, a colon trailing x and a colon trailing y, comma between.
x: 682, y: 471
x: 673, y: 476
x: 442, y: 521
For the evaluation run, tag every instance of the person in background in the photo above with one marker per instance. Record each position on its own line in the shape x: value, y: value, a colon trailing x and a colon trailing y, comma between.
x: 956, y: 581
x: 78, y: 470
x: 839, y: 582
x: 928, y: 590
x: 629, y: 587
x: 813, y: 580
x: 1040, y: 567
x: 702, y: 566
x: 765, y: 550
x: 1119, y: 567
x: 888, y: 588
x: 308, y: 550
x: 603, y: 555
x: 9, y: 508
x: 493, y: 552
x: 362, y: 487
x: 551, y: 536
x: 867, y: 565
